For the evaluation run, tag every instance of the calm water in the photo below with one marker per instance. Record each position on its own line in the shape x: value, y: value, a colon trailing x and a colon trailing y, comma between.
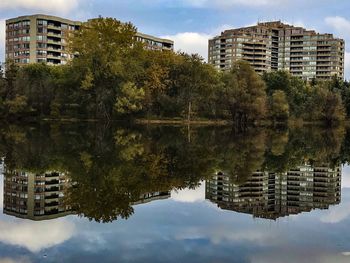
x: 108, y: 193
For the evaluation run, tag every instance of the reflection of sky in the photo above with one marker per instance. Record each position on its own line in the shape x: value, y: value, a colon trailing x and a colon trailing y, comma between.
x: 184, y: 228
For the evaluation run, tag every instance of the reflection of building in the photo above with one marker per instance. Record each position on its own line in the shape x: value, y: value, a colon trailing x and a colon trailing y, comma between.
x: 2, y: 69
x: 35, y: 196
x: 150, y: 197
x: 276, y: 46
x: 274, y: 195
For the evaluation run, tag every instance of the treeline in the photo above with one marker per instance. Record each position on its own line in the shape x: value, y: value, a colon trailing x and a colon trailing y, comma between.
x: 114, y: 77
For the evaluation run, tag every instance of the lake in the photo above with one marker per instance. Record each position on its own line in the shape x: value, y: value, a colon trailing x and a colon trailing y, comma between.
x: 90, y: 192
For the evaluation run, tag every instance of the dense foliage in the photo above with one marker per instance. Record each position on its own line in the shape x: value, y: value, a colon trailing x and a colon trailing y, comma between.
x: 115, y: 77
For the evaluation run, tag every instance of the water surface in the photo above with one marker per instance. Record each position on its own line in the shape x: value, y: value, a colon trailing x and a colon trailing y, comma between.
x: 109, y: 193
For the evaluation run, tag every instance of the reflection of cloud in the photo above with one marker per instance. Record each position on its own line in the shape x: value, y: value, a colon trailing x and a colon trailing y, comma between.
x: 189, y: 196
x: 36, y: 236
x: 336, y: 214
x: 345, y: 177
x: 290, y: 255
x: 15, y: 260
x: 1, y: 191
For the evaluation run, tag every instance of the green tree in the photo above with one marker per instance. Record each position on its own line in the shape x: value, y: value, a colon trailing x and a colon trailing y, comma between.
x: 102, y: 46
x: 130, y: 99
x: 244, y: 93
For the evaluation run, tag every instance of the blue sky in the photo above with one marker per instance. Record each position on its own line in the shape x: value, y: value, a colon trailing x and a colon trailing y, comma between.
x: 191, y: 22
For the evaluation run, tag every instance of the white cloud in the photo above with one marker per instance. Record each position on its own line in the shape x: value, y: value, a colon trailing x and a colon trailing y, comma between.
x: 340, y: 24
x: 217, y: 3
x: 36, y: 236
x: 56, y: 6
x: 191, y: 42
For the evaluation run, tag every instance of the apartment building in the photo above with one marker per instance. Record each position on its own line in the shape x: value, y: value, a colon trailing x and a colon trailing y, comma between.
x: 155, y: 43
x: 39, y: 38
x: 273, y: 46
x: 43, y: 38
x: 272, y: 195
x: 35, y: 196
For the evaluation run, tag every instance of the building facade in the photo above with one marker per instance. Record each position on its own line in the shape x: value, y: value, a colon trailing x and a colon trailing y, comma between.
x: 155, y: 43
x: 42, y: 38
x: 39, y: 38
x: 35, y: 196
x: 273, y: 195
x: 273, y: 46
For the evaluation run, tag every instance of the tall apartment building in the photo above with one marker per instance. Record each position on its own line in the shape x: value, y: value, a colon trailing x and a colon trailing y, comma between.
x: 273, y: 195
x: 35, y: 196
x: 273, y: 46
x: 38, y: 38
x: 42, y: 38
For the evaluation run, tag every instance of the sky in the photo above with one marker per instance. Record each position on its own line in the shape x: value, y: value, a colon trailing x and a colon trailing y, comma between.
x: 190, y: 23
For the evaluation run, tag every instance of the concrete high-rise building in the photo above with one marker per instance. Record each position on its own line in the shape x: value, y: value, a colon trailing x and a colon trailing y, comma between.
x: 273, y: 46
x: 43, y: 38
x: 39, y: 38
x: 36, y: 196
x: 273, y: 195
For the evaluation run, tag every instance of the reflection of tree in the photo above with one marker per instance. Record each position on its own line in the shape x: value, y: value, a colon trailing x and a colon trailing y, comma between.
x: 112, y: 167
x: 243, y: 155
x: 311, y: 144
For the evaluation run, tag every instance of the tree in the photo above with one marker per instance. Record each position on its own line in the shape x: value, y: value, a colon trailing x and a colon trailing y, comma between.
x: 279, y: 106
x: 195, y: 81
x: 324, y: 105
x: 102, y: 47
x: 244, y: 93
x: 130, y: 99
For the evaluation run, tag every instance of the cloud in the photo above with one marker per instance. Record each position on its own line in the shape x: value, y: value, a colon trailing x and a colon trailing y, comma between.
x: 56, y: 6
x: 2, y: 40
x: 217, y: 3
x: 191, y: 42
x: 230, y: 3
x: 340, y: 24
x: 36, y: 236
